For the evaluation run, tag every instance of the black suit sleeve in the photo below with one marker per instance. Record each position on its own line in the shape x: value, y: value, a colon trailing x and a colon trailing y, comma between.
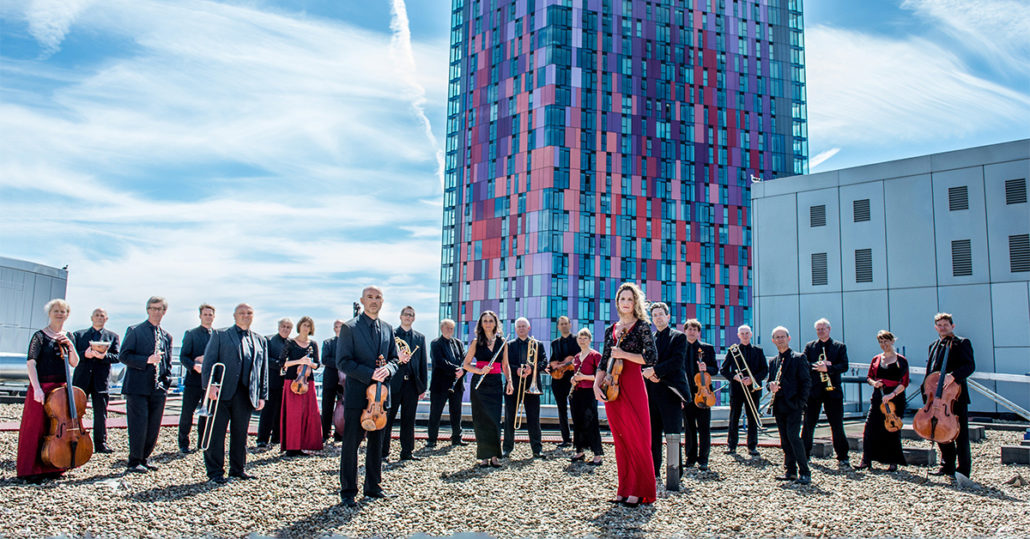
x: 841, y: 364
x: 675, y: 352
x: 727, y: 366
x: 345, y: 360
x: 263, y: 392
x: 130, y: 355
x: 211, y: 356
x: 711, y: 367
x: 805, y: 385
x: 186, y: 352
x: 761, y: 366
x: 112, y: 351
x: 964, y: 347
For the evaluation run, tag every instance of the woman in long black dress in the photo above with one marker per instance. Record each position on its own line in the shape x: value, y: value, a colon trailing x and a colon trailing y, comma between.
x: 888, y: 374
x: 487, y: 399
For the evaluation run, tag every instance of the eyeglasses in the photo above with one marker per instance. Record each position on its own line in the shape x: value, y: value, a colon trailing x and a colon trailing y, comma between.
x: 155, y: 308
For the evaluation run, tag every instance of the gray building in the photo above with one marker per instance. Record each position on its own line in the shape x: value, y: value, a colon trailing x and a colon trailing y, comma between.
x: 885, y: 246
x: 25, y: 287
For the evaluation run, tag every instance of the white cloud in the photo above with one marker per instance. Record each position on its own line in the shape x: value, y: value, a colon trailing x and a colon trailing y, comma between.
x: 50, y: 20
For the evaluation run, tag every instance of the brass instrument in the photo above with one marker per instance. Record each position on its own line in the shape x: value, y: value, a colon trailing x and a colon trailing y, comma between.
x: 743, y: 368
x: 210, y: 405
x: 490, y: 365
x: 772, y: 398
x: 520, y: 395
x: 402, y: 346
x: 824, y: 377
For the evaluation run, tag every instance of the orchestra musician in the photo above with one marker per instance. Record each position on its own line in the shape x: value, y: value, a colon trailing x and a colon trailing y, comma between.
x: 697, y: 420
x: 332, y: 384
x: 191, y: 356
x: 790, y: 383
x: 628, y: 416
x: 888, y: 374
x: 46, y: 372
x: 94, y: 372
x: 300, y: 427
x: 562, y: 350
x: 586, y: 426
x: 147, y: 354
x: 271, y: 414
x: 447, y: 385
x: 754, y: 359
x: 830, y: 358
x: 408, y: 386
x: 667, y: 391
x: 526, y: 376
x: 960, y: 366
x: 487, y: 360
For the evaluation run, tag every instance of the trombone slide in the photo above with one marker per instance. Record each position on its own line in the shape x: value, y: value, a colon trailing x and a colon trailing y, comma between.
x: 209, y: 407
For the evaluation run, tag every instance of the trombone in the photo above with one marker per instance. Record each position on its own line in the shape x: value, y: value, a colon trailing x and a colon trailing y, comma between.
x: 823, y: 376
x: 210, y: 406
x: 520, y: 398
x: 743, y: 368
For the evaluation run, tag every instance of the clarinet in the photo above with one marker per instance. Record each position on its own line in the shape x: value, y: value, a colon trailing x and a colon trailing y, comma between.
x: 460, y: 380
x: 160, y: 352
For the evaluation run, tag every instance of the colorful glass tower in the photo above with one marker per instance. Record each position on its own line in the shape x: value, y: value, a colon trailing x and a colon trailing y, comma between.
x: 591, y: 142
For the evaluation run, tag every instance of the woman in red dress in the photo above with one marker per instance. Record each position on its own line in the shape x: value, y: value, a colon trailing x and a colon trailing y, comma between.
x: 46, y: 373
x: 301, y: 425
x: 630, y: 340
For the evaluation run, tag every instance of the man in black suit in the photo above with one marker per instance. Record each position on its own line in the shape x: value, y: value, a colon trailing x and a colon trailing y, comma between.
x: 447, y: 355
x: 365, y: 353
x: 331, y: 383
x: 191, y: 356
x: 563, y: 350
x: 667, y: 393
x: 268, y: 425
x: 93, y: 373
x: 697, y: 420
x: 790, y: 394
x: 147, y: 352
x: 522, y: 373
x: 960, y: 366
x: 408, y: 386
x: 244, y: 388
x: 827, y: 395
x: 754, y: 359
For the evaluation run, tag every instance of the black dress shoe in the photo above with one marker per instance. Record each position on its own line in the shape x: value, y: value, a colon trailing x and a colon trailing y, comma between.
x: 411, y: 457
x: 348, y: 502
x: 864, y: 465
x: 185, y: 451
x: 595, y: 462
x: 139, y: 468
x: 804, y: 480
x: 218, y: 479
x: 702, y: 467
x: 459, y: 442
x: 150, y: 467
x: 786, y: 477
x: 540, y: 456
x: 430, y: 444
x: 379, y: 494
x: 942, y: 471
x: 104, y: 448
x: 892, y: 468
x: 242, y: 475
x: 631, y: 504
x: 564, y: 444
x: 262, y: 445
x: 617, y: 500
x: 753, y: 452
x: 730, y: 451
x: 581, y: 457
x: 505, y: 454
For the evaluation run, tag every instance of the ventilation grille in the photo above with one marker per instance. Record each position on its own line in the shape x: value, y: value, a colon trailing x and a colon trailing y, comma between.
x: 861, y: 210
x: 817, y: 216
x: 958, y: 198
x: 961, y: 258
x: 863, y: 265
x: 819, y: 269
x: 1015, y: 191
x: 1019, y: 252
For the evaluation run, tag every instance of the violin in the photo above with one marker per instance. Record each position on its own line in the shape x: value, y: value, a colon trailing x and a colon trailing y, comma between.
x: 374, y: 416
x: 612, y: 375
x: 936, y: 420
x: 559, y: 373
x: 300, y: 385
x: 67, y: 445
x: 704, y: 397
x: 891, y: 421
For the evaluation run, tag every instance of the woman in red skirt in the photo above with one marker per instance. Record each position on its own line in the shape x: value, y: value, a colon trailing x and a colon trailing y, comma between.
x: 301, y: 426
x: 630, y: 340
x: 46, y: 373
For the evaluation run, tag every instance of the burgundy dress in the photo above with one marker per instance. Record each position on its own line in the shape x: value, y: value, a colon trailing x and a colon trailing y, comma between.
x: 629, y: 417
x: 34, y: 427
x: 301, y: 425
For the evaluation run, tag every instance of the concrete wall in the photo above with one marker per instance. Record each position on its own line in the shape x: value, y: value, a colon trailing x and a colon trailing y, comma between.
x: 25, y: 288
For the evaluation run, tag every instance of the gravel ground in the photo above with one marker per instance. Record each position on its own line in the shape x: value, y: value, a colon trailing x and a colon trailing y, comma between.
x: 444, y: 494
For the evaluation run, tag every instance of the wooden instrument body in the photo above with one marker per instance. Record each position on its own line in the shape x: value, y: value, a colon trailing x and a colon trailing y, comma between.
x: 936, y: 420
x: 66, y: 445
x: 300, y: 385
x: 705, y: 397
x: 891, y: 421
x: 374, y: 417
x: 338, y: 411
x: 610, y: 384
x: 559, y: 373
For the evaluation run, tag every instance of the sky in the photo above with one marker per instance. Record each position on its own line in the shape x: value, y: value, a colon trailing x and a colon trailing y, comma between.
x: 286, y: 154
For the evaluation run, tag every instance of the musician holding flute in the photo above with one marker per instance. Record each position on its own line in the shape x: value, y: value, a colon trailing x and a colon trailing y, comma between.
x: 746, y: 368
x: 447, y: 385
x: 790, y: 383
x: 828, y: 360
x: 147, y: 352
x: 487, y: 359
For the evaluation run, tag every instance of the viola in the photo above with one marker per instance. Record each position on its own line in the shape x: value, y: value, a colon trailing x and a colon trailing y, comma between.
x: 66, y: 445
x: 373, y: 418
x: 704, y: 397
x: 559, y: 373
x: 612, y: 375
x: 891, y: 421
x: 300, y: 385
x: 936, y: 420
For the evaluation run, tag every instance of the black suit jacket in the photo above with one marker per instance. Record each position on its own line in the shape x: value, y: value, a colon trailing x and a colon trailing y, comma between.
x: 137, y: 346
x: 224, y: 347
x: 276, y: 345
x: 795, y: 383
x: 193, y: 344
x: 417, y: 370
x: 672, y: 350
x: 93, y: 375
x: 690, y: 362
x: 754, y: 357
x: 960, y: 362
x: 836, y: 354
x: 356, y: 355
x: 330, y: 375
x: 518, y: 353
x: 444, y: 363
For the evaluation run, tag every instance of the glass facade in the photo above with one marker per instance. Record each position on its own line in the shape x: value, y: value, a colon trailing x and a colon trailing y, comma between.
x: 591, y: 142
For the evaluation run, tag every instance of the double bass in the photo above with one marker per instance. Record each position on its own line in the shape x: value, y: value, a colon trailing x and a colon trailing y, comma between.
x: 66, y: 445
x: 936, y: 420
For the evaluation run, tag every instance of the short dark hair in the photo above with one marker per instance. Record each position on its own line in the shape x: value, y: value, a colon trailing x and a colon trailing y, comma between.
x: 692, y: 323
x: 306, y: 320
x: 943, y: 316
x: 658, y: 305
x: 205, y: 306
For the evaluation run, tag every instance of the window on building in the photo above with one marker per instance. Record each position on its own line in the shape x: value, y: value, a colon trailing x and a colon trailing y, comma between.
x: 819, y: 274
x: 1015, y: 191
x: 961, y: 258
x: 863, y: 265
x: 861, y: 210
x: 958, y: 198
x: 1019, y: 252
x: 817, y: 215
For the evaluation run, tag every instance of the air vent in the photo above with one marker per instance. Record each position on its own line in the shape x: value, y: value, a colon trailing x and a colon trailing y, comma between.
x: 863, y: 265
x: 819, y: 269
x: 817, y: 216
x: 961, y: 258
x: 1019, y: 252
x: 1015, y: 191
x: 958, y: 198
x: 861, y: 210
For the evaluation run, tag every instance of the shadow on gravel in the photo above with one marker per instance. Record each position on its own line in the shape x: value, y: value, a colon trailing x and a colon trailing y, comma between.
x: 983, y: 491
x: 173, y: 492
x: 320, y: 524
x: 474, y: 472
x: 9, y: 465
x: 751, y: 462
x: 92, y: 479
x: 627, y: 520
x: 580, y: 469
x: 804, y: 490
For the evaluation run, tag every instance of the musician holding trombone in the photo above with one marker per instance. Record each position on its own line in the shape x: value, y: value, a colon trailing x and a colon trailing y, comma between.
x: 487, y: 359
x: 235, y: 375
x: 526, y: 359
x: 746, y: 367
x: 447, y: 385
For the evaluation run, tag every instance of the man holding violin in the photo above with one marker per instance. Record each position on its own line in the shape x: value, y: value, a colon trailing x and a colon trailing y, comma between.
x: 700, y: 358
x: 562, y: 351
x: 960, y: 366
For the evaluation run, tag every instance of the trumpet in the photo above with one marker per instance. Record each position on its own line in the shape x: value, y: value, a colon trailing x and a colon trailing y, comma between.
x: 210, y: 405
x: 743, y: 368
x: 520, y: 398
x: 493, y: 359
x: 402, y: 346
x: 824, y: 377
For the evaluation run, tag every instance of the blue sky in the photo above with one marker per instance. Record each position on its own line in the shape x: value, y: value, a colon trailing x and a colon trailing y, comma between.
x: 286, y: 153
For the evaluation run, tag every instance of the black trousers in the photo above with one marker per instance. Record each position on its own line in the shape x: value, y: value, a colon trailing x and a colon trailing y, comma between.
x: 795, y: 457
x: 268, y: 424
x: 833, y: 402
x: 666, y: 418
x: 585, y: 423
x: 697, y: 425
x: 437, y: 400
x: 560, y: 388
x: 737, y: 404
x: 234, y: 413
x: 405, y: 400
x: 531, y: 422
x: 191, y: 397
x: 100, y: 401
x: 329, y: 395
x: 959, y: 449
x: 143, y: 416
x: 352, y: 436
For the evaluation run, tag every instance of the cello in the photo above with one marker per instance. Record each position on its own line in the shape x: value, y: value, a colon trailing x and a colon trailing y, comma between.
x: 705, y: 397
x: 67, y: 445
x: 936, y: 420
x: 373, y: 418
